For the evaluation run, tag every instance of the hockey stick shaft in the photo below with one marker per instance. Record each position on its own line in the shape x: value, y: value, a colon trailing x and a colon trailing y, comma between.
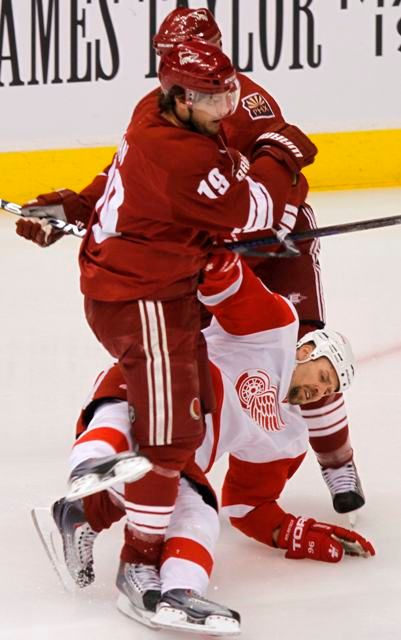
x: 332, y: 230
x: 61, y: 225
x: 245, y: 247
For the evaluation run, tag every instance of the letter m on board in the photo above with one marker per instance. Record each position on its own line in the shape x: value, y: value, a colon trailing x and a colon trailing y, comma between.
x: 42, y: 29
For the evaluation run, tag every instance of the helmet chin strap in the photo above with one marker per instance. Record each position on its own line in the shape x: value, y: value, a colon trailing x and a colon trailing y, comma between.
x: 307, y: 359
x: 192, y: 125
x: 189, y: 123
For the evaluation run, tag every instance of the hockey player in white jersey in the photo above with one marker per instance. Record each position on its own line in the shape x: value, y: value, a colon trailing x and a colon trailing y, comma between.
x: 261, y: 376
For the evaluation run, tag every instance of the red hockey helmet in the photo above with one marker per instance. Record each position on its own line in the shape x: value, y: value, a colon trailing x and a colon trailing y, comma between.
x: 197, y: 66
x: 183, y: 24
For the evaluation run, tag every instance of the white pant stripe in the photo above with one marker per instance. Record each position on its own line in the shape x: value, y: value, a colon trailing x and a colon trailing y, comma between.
x: 148, y: 371
x: 169, y: 393
x: 158, y: 375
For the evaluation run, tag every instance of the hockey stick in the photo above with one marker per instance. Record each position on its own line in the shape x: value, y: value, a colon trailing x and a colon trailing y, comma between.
x: 65, y: 227
x: 246, y: 248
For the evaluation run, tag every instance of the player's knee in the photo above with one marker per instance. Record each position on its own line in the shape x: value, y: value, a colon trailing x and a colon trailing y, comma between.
x: 176, y: 455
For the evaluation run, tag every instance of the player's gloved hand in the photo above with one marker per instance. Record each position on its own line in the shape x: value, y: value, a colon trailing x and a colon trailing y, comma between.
x: 221, y: 269
x: 306, y: 538
x: 63, y: 204
x: 298, y: 192
x: 287, y: 144
x: 38, y: 230
x: 221, y: 263
x: 241, y: 164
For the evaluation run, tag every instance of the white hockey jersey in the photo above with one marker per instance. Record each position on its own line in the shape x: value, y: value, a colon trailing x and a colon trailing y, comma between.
x: 251, y: 345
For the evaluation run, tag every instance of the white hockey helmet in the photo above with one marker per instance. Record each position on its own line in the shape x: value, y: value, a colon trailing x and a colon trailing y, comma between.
x: 337, y: 349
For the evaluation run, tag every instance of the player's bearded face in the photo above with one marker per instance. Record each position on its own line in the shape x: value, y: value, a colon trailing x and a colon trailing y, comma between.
x: 207, y: 110
x: 311, y: 381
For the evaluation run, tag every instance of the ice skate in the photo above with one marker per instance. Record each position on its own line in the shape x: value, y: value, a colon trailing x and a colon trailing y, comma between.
x: 78, y: 540
x: 68, y: 541
x: 139, y: 585
x: 93, y: 476
x: 185, y: 610
x: 345, y: 487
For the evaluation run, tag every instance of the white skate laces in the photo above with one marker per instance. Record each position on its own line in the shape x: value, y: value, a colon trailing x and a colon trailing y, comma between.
x: 345, y: 487
x: 86, y: 538
x: 143, y: 577
x: 78, y: 550
x: 139, y: 585
x: 342, y: 479
x: 78, y: 539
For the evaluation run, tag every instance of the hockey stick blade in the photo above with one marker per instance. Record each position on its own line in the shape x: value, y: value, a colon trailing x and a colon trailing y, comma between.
x: 247, y: 247
x: 66, y: 227
x: 52, y: 544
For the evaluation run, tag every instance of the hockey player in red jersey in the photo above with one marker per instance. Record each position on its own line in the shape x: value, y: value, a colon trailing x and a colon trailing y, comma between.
x: 258, y: 423
x: 172, y: 187
x: 299, y: 279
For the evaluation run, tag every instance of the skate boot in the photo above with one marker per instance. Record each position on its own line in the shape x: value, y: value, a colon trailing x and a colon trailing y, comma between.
x: 345, y: 487
x: 78, y: 540
x: 139, y: 585
x: 185, y: 610
x: 92, y: 476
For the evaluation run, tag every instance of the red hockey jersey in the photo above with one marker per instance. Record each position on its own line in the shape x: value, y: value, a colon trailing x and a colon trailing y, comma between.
x: 168, y: 192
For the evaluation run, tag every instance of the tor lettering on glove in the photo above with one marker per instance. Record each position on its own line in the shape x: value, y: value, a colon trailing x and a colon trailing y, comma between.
x: 305, y: 538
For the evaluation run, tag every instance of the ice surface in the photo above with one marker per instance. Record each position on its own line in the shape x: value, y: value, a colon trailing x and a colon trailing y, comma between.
x: 48, y: 361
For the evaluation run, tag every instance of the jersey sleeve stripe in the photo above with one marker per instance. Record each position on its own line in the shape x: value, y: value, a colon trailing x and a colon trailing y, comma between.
x: 215, y: 299
x: 261, y: 207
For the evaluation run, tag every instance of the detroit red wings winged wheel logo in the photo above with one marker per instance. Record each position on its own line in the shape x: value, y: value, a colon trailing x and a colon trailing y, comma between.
x: 259, y: 399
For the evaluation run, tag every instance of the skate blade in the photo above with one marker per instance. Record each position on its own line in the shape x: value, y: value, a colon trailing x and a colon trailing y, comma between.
x: 214, y: 625
x: 125, y: 471
x: 127, y: 608
x: 51, y: 540
x: 349, y: 520
x: 352, y: 518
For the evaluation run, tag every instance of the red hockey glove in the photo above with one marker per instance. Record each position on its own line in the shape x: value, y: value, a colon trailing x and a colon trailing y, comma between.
x: 38, y: 231
x: 221, y: 269
x: 221, y: 264
x: 306, y: 538
x: 298, y: 192
x: 63, y: 204
x: 287, y: 144
x: 241, y: 164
